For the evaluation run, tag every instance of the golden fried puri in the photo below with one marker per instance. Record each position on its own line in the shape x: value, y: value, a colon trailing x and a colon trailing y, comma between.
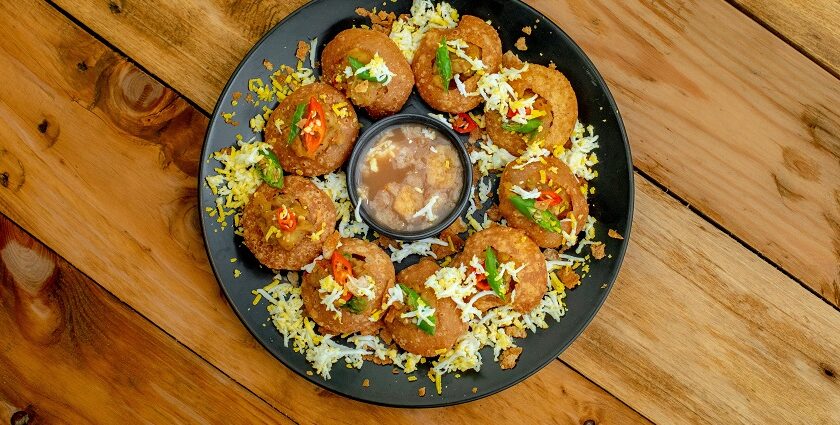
x: 338, y: 140
x: 483, y: 43
x: 290, y: 248
x: 510, y: 245
x: 366, y: 259
x: 559, y: 180
x: 378, y: 99
x: 555, y: 97
x: 448, y: 325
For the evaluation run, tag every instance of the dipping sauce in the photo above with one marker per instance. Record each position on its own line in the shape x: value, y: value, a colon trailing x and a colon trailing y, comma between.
x: 410, y: 178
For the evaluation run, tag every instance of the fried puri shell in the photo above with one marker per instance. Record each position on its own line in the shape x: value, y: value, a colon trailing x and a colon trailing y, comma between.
x: 555, y: 97
x: 338, y: 141
x: 367, y: 259
x: 517, y: 247
x: 478, y: 34
x: 379, y: 100
x: 320, y: 212
x: 448, y: 325
x: 560, y: 179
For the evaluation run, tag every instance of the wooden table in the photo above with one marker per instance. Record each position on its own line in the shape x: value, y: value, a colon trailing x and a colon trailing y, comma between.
x: 726, y: 309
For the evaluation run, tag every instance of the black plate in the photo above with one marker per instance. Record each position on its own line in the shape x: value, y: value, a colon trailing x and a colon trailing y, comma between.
x: 612, y: 204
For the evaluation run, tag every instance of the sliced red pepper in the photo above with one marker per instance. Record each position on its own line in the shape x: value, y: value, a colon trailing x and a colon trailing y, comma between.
x: 550, y: 197
x: 315, y: 128
x: 480, y: 280
x: 341, y: 269
x: 464, y: 123
x: 286, y: 222
x: 512, y: 112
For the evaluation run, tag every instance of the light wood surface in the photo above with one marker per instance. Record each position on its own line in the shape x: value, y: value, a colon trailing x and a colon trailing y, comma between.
x: 718, y: 109
x: 70, y: 349
x: 114, y: 175
x: 810, y: 25
x: 99, y: 161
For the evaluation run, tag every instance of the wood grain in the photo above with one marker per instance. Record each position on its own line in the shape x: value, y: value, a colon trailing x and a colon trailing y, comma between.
x: 718, y: 109
x: 101, y: 167
x: 754, y: 328
x: 72, y: 353
x: 810, y: 25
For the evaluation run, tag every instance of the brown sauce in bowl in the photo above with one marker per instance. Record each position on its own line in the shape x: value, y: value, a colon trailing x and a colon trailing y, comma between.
x: 411, y: 178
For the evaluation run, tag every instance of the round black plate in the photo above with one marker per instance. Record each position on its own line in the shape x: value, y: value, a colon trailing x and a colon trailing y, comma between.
x: 612, y: 204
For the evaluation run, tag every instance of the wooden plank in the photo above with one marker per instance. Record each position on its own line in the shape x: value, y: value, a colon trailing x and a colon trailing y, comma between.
x: 72, y: 353
x: 719, y: 110
x: 110, y: 154
x: 809, y: 25
x: 697, y: 330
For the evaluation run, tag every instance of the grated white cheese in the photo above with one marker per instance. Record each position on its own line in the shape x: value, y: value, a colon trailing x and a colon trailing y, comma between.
x: 525, y: 194
x: 440, y: 118
x: 425, y: 15
x: 490, y: 157
x: 331, y: 291
x: 422, y: 247
x: 335, y: 185
x: 580, y: 157
x: 427, y: 211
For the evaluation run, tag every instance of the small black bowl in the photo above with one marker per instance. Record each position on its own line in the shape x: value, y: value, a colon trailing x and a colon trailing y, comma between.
x: 370, y: 134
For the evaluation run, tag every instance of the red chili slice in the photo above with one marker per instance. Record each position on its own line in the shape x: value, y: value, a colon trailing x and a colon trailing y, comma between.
x: 464, y: 123
x: 316, y: 126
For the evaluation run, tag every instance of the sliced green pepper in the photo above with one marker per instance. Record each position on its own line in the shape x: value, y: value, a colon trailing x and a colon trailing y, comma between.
x: 355, y: 64
x: 444, y: 65
x: 270, y: 170
x: 414, y: 301
x: 491, y: 266
x: 531, y: 126
x: 543, y: 218
x: 294, y: 130
x: 356, y: 305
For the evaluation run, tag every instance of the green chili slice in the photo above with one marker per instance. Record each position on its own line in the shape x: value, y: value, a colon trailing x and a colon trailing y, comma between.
x: 543, y: 218
x: 355, y: 64
x: 356, y: 305
x: 491, y: 266
x: 414, y: 301
x: 531, y: 126
x: 444, y: 65
x: 294, y: 130
x: 269, y: 169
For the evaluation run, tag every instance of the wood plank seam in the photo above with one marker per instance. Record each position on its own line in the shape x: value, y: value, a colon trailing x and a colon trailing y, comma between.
x: 647, y: 176
x: 128, y: 58
x: 798, y: 47
x: 146, y: 319
x: 735, y: 237
x: 569, y: 365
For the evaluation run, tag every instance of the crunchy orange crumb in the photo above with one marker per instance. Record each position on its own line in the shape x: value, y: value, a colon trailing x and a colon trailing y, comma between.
x: 268, y: 65
x: 474, y: 390
x: 520, y: 44
x: 421, y: 392
x: 615, y: 235
x: 366, y: 383
x: 527, y: 30
x: 302, y: 50
x: 598, y: 250
x: 552, y: 65
x: 569, y: 278
x: 395, y: 371
x: 515, y: 332
x: 509, y: 357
